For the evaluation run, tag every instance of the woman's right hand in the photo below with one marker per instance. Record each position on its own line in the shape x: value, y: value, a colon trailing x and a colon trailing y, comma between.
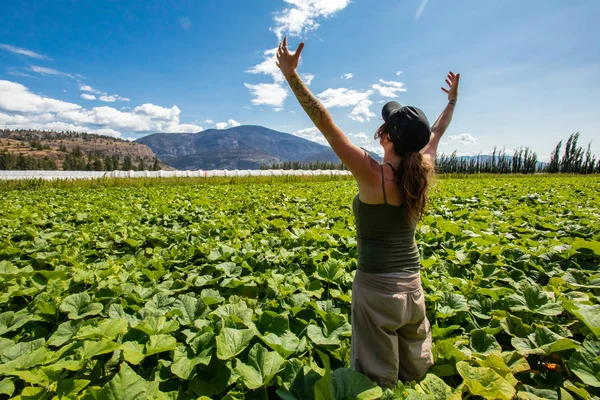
x: 452, y: 82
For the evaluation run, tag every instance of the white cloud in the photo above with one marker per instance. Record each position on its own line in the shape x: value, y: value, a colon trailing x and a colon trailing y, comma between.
x: 87, y: 96
x: 299, y: 17
x: 19, y: 73
x: 145, y: 118
x: 302, y: 15
x: 389, y: 88
x: 464, y: 138
x: 312, y: 134
x: 348, y: 76
x: 271, y: 94
x: 49, y: 71
x: 374, y: 149
x: 28, y: 110
x: 107, y: 99
x: 208, y: 121
x: 361, y: 112
x: 398, y: 73
x: 361, y: 137
x: 268, y: 66
x: 7, y: 119
x: 103, y: 95
x: 185, y: 23
x: 17, y: 98
x: 307, y: 78
x: 158, y: 112
x: 23, y: 52
x: 421, y: 9
x: 87, y: 88
x: 343, y: 97
x: 47, y: 122
x: 229, y: 124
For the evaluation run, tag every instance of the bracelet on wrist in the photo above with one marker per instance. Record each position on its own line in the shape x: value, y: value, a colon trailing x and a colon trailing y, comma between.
x: 453, y: 102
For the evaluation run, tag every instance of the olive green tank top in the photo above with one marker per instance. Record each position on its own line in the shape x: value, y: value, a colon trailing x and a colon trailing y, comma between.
x: 386, y: 240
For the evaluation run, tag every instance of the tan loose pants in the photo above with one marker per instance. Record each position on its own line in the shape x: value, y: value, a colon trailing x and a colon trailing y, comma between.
x: 391, y: 336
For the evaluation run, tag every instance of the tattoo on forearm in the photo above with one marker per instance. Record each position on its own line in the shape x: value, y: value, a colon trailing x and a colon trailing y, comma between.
x: 307, y: 100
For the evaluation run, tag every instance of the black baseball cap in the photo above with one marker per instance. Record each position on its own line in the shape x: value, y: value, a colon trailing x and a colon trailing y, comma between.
x: 408, y: 127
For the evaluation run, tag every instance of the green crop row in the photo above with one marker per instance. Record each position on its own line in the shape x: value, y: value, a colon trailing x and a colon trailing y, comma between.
x: 198, y: 291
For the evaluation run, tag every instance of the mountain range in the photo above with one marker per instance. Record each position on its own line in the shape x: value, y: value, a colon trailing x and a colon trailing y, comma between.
x: 241, y: 147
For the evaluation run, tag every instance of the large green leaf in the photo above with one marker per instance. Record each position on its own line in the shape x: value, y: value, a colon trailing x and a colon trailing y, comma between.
x: 70, y: 388
x: 484, y: 343
x: 185, y: 362
x: 133, y: 352
x: 231, y: 342
x: 11, y: 321
x: 485, y: 382
x: 127, y: 385
x: 586, y: 363
x: 437, y: 387
x: 26, y: 361
x: 64, y: 333
x: 160, y: 343
x: 16, y: 350
x: 532, y: 298
x: 154, y: 326
x: 79, y: 306
x: 92, y: 348
x: 542, y: 341
x: 261, y: 367
x: 344, y: 383
x: 335, y: 328
x: 298, y: 381
x: 589, y: 315
x: 7, y: 387
x: 107, y: 329
x: 190, y: 308
x: 285, y: 344
x: 450, y: 304
x: 237, y: 313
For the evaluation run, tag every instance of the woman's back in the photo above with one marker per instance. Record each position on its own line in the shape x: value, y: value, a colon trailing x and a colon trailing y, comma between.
x: 386, y: 239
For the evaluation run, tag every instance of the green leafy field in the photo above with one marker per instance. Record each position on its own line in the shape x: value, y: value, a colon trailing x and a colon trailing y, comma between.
x: 243, y: 291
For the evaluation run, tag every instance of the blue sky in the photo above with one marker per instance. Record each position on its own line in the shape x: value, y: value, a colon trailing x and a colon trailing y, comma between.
x: 530, y: 70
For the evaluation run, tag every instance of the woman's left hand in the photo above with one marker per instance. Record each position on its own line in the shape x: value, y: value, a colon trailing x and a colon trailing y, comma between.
x: 286, y: 61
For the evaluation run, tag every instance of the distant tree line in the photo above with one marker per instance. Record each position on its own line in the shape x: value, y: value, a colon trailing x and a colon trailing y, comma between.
x: 523, y: 161
x: 76, y: 160
x: 297, y: 165
x: 21, y: 162
x: 574, y: 160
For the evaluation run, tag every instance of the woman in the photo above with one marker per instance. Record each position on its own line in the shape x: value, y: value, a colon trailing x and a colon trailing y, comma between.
x: 391, y: 336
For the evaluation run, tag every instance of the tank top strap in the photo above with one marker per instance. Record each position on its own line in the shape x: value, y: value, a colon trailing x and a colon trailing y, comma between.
x: 383, y: 183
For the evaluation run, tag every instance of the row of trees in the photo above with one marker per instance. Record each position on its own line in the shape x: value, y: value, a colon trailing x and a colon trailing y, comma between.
x: 76, y: 160
x: 297, y: 165
x: 574, y: 160
x: 523, y: 161
x: 21, y: 162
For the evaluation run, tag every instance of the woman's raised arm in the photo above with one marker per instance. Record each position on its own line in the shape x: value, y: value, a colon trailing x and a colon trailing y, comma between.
x: 363, y: 167
x: 441, y: 124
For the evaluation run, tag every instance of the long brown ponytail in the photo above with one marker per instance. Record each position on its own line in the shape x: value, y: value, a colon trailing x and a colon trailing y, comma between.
x: 413, y: 176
